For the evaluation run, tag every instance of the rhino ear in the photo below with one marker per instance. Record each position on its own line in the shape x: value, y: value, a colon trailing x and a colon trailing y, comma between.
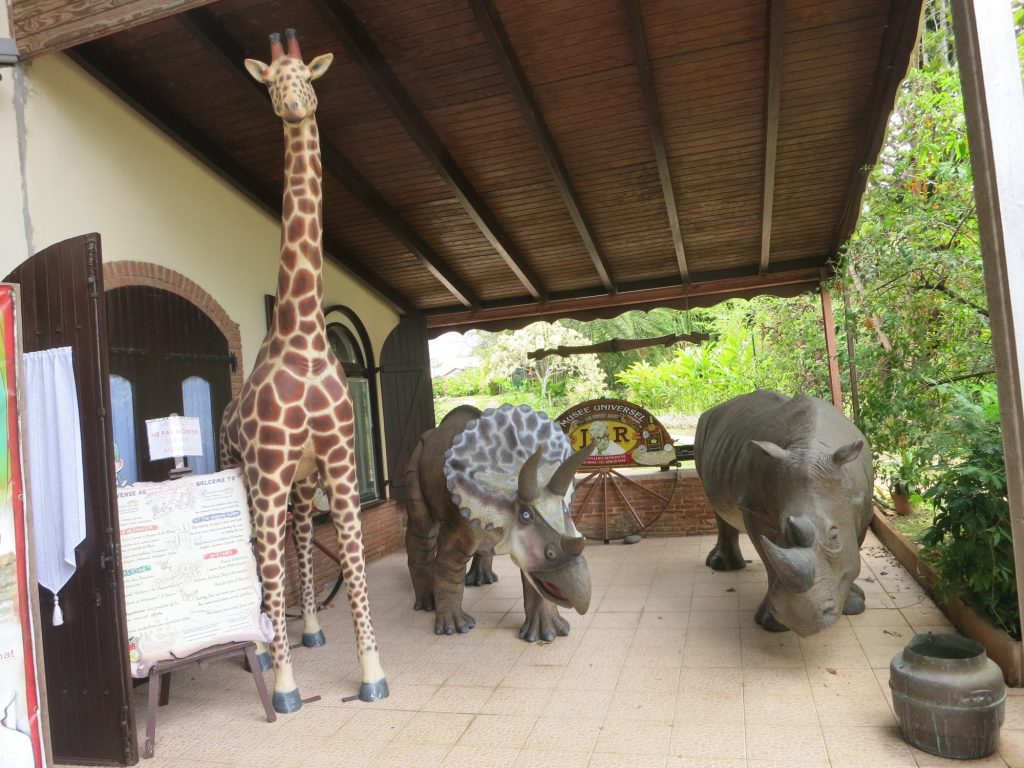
x: 771, y: 449
x: 847, y: 453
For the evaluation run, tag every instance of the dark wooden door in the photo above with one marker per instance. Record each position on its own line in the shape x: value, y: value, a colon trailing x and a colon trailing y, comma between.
x: 408, y: 395
x: 88, y: 683
x: 162, y: 345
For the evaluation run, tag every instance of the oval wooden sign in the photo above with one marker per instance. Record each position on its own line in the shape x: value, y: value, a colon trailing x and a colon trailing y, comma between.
x: 626, y: 434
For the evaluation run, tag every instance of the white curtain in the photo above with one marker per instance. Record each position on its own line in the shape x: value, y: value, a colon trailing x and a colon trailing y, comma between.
x: 56, y: 483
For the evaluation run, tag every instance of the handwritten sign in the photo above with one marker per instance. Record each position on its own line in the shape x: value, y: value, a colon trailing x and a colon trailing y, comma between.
x: 190, y: 576
x: 174, y: 436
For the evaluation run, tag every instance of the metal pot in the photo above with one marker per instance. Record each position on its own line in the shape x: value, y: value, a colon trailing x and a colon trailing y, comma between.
x: 949, y: 697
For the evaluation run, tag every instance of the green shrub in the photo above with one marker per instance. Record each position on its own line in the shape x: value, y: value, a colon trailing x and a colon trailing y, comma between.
x: 969, y: 543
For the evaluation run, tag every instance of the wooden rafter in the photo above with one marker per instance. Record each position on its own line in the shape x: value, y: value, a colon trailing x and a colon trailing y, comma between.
x: 494, y: 30
x: 146, y: 102
x: 619, y: 345
x: 697, y: 293
x: 365, y: 53
x: 776, y: 36
x: 205, y: 28
x: 654, y: 125
x: 43, y: 26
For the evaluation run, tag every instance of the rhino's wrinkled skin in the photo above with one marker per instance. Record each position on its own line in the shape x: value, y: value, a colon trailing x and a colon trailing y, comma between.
x: 495, y: 483
x: 795, y: 474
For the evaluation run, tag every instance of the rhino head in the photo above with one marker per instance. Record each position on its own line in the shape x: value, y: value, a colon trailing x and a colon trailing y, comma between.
x: 510, y: 474
x: 815, y: 557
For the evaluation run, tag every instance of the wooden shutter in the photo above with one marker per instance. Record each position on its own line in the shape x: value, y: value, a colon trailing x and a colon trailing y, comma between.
x: 408, y: 396
x: 88, y: 683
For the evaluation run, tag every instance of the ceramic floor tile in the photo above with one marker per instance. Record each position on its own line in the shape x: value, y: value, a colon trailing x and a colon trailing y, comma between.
x: 642, y: 705
x: 708, y: 740
x: 679, y: 761
x: 480, y: 757
x: 866, y: 747
x: 1011, y: 747
x: 438, y: 728
x: 785, y: 742
x: 517, y: 701
x: 495, y: 730
x: 547, y: 758
x: 408, y: 756
x: 576, y: 735
x: 633, y: 737
x: 620, y: 760
x: 458, y: 698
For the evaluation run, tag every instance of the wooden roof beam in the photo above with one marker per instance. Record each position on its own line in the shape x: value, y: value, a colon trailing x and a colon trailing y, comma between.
x: 205, y: 28
x: 776, y: 35
x: 143, y: 99
x: 698, y: 293
x: 365, y: 53
x: 654, y: 125
x: 497, y: 36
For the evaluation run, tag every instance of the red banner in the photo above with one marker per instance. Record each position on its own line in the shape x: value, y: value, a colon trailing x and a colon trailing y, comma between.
x: 20, y: 724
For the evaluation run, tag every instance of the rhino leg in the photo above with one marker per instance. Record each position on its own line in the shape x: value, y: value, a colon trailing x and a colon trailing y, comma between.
x: 480, y: 571
x: 420, y: 539
x: 726, y: 555
x: 543, y: 621
x: 766, y: 620
x: 854, y: 601
x: 455, y: 547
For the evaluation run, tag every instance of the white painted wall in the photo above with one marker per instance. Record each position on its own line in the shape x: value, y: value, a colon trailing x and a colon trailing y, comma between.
x: 88, y: 163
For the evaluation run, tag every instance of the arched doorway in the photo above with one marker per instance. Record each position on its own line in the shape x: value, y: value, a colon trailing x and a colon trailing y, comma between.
x: 166, y: 356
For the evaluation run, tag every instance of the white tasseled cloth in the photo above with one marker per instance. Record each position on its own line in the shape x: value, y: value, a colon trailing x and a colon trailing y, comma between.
x: 56, y: 483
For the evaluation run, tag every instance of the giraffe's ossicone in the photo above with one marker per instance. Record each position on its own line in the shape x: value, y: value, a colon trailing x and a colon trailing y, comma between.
x: 293, y: 418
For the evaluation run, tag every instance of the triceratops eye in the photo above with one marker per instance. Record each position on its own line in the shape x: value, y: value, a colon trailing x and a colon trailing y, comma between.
x: 525, y: 515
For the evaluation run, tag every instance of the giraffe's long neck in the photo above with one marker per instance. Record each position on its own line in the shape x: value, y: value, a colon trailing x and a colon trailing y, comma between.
x: 298, y: 317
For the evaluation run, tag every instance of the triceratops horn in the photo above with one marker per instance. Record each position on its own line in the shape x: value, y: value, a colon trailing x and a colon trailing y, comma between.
x: 560, y: 481
x: 794, y: 567
x: 801, y: 531
x: 573, y: 545
x: 528, y: 488
x: 847, y: 453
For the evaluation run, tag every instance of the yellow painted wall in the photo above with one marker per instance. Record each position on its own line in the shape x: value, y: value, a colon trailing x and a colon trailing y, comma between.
x: 75, y: 159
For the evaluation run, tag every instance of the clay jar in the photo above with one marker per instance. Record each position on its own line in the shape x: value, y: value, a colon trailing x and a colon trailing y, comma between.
x: 949, y: 697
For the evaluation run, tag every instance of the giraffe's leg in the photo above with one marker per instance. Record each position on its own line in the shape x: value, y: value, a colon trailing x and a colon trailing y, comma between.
x: 269, y: 496
x: 343, y: 491
x: 420, y: 538
x: 302, y: 533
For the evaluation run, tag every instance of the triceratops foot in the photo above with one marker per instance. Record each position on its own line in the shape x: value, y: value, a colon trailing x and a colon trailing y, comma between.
x: 480, y: 572
x: 423, y: 603
x: 545, y: 623
x: 453, y: 620
x: 854, y: 601
x: 725, y: 559
x: 766, y: 620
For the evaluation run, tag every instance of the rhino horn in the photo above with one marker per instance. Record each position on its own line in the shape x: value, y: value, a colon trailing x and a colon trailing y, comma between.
x: 847, y: 453
x: 573, y: 545
x: 771, y: 449
x: 794, y: 567
x: 560, y: 481
x: 801, y: 531
x: 528, y: 489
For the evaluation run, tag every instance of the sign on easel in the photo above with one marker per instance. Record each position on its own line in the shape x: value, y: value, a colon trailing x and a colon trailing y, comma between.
x: 190, y: 577
x: 173, y: 437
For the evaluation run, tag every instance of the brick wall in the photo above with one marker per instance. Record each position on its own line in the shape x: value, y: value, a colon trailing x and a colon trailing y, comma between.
x: 685, y: 513
x: 383, y: 533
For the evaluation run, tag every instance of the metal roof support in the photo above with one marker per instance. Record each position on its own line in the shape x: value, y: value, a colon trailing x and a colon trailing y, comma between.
x: 994, y: 107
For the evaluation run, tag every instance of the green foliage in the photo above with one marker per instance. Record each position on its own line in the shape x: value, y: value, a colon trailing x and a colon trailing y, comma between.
x: 469, y: 382
x: 972, y: 550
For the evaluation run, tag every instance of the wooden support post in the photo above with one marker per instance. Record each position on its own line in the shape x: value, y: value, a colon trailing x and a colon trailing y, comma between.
x: 830, y: 346
x: 851, y: 357
x: 994, y: 107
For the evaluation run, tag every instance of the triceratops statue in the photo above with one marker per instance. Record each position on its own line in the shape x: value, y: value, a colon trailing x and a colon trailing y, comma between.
x: 795, y: 474
x: 492, y: 483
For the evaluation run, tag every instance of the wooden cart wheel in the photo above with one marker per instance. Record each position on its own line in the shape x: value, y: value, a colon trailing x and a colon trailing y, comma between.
x: 613, y: 505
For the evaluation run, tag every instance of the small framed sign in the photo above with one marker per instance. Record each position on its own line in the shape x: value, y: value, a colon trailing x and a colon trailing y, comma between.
x: 174, y: 436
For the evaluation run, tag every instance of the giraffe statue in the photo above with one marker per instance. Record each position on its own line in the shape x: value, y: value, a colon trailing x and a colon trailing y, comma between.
x: 293, y: 417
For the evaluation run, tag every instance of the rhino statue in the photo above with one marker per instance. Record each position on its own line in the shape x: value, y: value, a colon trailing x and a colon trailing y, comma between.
x: 795, y: 474
x: 492, y: 483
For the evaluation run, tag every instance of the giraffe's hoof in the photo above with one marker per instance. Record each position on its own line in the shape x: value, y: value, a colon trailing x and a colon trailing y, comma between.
x: 287, y: 701
x: 374, y: 691
x: 314, y: 639
x: 263, y: 659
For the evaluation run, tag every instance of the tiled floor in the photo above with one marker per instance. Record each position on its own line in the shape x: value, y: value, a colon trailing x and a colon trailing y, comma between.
x: 667, y: 670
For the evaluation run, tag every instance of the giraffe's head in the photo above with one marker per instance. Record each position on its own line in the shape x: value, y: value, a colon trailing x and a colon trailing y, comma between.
x: 288, y: 79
